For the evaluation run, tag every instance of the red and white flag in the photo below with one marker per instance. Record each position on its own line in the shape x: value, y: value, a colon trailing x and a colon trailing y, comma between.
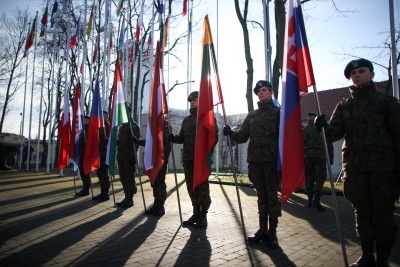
x: 64, y: 133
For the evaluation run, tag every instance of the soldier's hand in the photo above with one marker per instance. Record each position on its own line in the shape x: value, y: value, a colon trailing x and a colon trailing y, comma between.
x: 320, y: 122
x: 170, y: 137
x: 227, y: 130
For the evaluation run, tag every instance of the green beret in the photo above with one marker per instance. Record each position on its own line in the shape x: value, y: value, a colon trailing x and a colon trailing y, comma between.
x: 312, y: 114
x: 355, y: 64
x: 260, y: 84
x: 86, y: 117
x: 193, y: 95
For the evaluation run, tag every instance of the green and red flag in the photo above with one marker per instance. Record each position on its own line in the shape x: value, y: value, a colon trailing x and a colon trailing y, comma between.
x: 120, y: 7
x: 119, y: 115
x: 206, y: 132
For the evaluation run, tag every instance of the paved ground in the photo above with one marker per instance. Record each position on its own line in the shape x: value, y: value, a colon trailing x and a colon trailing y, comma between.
x: 42, y: 223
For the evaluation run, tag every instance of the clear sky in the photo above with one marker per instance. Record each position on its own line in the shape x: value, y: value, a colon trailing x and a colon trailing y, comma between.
x: 330, y: 36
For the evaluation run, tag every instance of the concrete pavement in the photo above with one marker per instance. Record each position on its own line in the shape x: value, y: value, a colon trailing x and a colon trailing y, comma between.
x: 43, y: 223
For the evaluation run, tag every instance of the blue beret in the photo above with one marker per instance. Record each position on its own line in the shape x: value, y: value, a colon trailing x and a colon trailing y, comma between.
x: 260, y: 84
x: 355, y: 64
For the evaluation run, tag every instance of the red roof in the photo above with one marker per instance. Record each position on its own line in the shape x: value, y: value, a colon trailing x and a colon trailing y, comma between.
x: 328, y: 100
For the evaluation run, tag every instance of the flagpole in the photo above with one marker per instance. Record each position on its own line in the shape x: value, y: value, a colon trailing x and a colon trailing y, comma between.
x: 328, y: 163
x: 33, y: 84
x: 217, y: 149
x: 23, y: 108
x: 41, y: 101
x: 393, y: 58
x: 104, y: 56
x: 187, y: 61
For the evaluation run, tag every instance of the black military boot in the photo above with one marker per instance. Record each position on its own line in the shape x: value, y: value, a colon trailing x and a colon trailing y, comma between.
x: 119, y: 204
x: 83, y: 192
x: 367, y: 259
x: 129, y: 202
x: 261, y: 234
x: 153, y: 208
x: 272, y: 238
x: 202, y: 221
x: 317, y: 203
x: 382, y: 255
x: 160, y: 210
x: 194, y: 218
x: 105, y: 196
x: 310, y: 200
x: 99, y: 195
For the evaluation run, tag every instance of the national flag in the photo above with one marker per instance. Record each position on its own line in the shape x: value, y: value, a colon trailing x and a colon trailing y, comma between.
x: 53, y: 13
x: 75, y: 37
x: 190, y: 22
x: 154, y: 148
x: 297, y: 76
x: 91, y: 160
x: 119, y: 115
x: 64, y: 133
x: 120, y: 7
x: 89, y: 26
x: 161, y: 11
x: 121, y: 35
x: 44, y: 21
x: 149, y: 44
x: 31, y: 36
x: 206, y: 134
x: 111, y: 36
x: 166, y: 30
x: 77, y: 127
x: 132, y: 54
x: 66, y: 45
x: 184, y: 10
x: 139, y: 25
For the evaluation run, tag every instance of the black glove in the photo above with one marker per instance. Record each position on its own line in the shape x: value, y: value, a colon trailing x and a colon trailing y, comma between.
x: 227, y: 130
x: 170, y: 137
x: 320, y: 122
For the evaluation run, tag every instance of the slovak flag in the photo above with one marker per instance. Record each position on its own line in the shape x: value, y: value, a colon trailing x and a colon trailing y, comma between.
x: 77, y: 127
x: 64, y: 133
x: 297, y: 76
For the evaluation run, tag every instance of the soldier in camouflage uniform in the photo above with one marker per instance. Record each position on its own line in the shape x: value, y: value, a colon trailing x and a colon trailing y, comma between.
x: 261, y: 126
x: 86, y: 179
x: 200, y: 197
x: 126, y: 156
x: 159, y: 186
x: 102, y: 172
x: 369, y: 122
x: 315, y: 162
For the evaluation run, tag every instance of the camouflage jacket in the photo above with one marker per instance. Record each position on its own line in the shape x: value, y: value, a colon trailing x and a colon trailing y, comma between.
x: 125, y: 151
x: 261, y: 126
x: 187, y: 135
x: 369, y: 122
x: 313, y: 144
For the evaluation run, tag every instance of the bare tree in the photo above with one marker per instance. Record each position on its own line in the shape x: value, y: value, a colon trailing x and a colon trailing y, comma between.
x: 13, y: 33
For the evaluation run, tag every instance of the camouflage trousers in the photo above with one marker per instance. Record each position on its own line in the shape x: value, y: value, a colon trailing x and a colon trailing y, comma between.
x: 103, y: 174
x: 159, y: 186
x: 373, y: 196
x: 266, y: 182
x: 127, y: 176
x: 201, y: 195
x: 315, y: 175
x: 86, y: 179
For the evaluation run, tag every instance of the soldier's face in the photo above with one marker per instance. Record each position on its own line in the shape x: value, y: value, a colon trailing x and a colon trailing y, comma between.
x: 264, y: 94
x: 193, y: 103
x: 361, y: 76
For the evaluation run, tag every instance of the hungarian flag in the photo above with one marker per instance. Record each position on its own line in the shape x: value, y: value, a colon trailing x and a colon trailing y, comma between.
x: 44, y: 22
x: 154, y: 148
x: 119, y: 115
x: 64, y: 133
x: 206, y: 133
x: 120, y: 7
x: 184, y: 10
x: 91, y: 160
x: 89, y: 26
x: 297, y: 76
x: 77, y: 127
x: 74, y: 38
x: 31, y: 36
